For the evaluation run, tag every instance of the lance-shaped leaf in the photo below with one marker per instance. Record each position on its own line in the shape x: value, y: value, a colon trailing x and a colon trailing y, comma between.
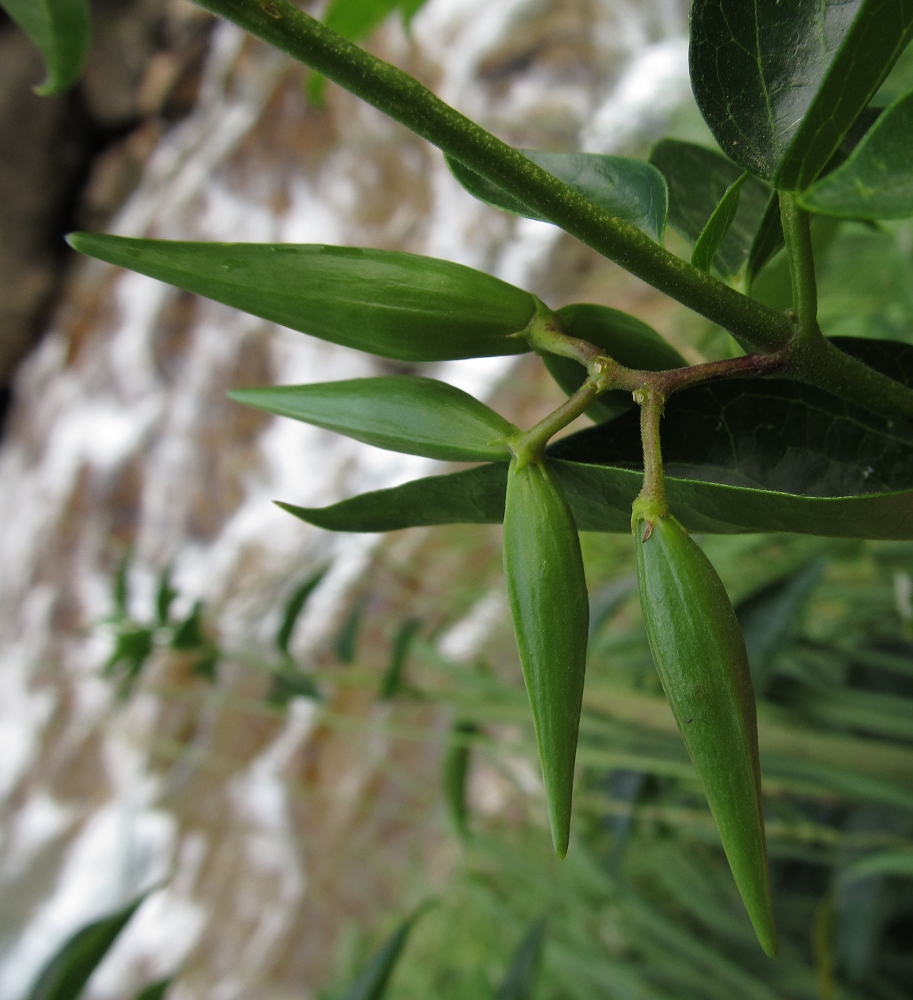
x: 876, y: 182
x: 62, y: 30
x: 392, y: 682
x: 520, y: 978
x: 64, y: 977
x: 780, y: 85
x: 698, y: 180
x: 397, y: 305
x: 550, y: 610
x: 294, y: 606
x: 718, y: 225
x: 629, y: 189
x: 375, y: 977
x: 625, y: 338
x: 419, y: 416
x: 456, y: 773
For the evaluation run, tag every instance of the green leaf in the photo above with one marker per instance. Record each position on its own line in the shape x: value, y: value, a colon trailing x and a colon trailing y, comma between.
x: 629, y: 189
x: 133, y: 645
x: 698, y: 180
x: 601, y: 496
x: 392, y: 681
x: 876, y: 182
x: 524, y: 965
x: 548, y: 601
x: 718, y: 225
x: 419, y: 416
x: 397, y: 305
x: 62, y: 30
x: 155, y: 991
x: 290, y: 682
x: 897, y: 862
x: 780, y: 85
x: 164, y: 597
x: 374, y: 979
x: 347, y: 640
x: 120, y: 591
x: 768, y: 618
x: 189, y: 636
x: 456, y: 771
x: 64, y: 977
x: 625, y: 338
x: 768, y: 239
x: 771, y: 434
x: 294, y: 606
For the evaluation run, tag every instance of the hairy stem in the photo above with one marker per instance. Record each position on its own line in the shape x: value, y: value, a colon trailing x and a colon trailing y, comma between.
x: 798, y: 237
x: 403, y: 98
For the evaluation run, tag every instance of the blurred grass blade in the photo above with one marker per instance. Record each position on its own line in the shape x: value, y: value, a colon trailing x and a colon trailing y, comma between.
x: 524, y: 965
x: 374, y: 979
x: 64, y: 977
x: 391, y: 683
x: 154, y: 991
x: 347, y: 640
x: 768, y: 618
x: 164, y: 597
x: 120, y: 590
x: 62, y: 30
x: 898, y: 863
x: 456, y: 771
x: 294, y: 606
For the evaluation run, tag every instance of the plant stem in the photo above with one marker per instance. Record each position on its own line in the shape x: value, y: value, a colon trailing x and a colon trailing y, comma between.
x: 651, y: 503
x: 798, y: 237
x: 404, y: 99
x: 530, y: 445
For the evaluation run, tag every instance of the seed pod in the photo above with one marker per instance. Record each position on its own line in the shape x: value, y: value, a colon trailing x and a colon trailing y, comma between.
x: 699, y: 651
x: 548, y: 601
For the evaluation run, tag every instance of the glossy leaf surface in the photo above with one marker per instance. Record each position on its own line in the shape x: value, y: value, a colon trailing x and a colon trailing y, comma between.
x: 780, y: 85
x: 771, y: 434
x: 601, y: 496
x: 419, y: 416
x: 375, y: 978
x: 397, y: 305
x: 520, y: 979
x: 698, y: 180
x: 876, y: 182
x: 700, y: 656
x: 62, y: 30
x: 64, y: 977
x: 625, y: 338
x: 548, y: 601
x: 630, y: 189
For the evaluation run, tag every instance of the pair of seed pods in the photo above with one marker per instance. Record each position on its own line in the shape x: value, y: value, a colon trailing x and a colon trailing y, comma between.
x: 697, y: 646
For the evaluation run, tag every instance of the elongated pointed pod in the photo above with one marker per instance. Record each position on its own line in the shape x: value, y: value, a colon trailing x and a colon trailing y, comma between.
x: 700, y: 655
x: 548, y: 602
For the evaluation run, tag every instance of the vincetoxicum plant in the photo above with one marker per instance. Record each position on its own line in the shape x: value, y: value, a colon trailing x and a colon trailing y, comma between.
x: 786, y: 90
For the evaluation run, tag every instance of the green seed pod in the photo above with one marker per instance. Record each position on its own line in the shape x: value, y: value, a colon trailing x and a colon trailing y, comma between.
x: 548, y: 601
x: 699, y: 652
x: 397, y: 305
x: 626, y: 339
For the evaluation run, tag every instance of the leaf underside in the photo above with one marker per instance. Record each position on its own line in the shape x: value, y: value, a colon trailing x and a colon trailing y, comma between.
x: 629, y: 189
x: 809, y: 464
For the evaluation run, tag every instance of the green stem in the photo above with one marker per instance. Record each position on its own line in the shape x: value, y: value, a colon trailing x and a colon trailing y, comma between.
x: 530, y: 445
x: 404, y: 99
x: 651, y: 503
x: 798, y: 237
